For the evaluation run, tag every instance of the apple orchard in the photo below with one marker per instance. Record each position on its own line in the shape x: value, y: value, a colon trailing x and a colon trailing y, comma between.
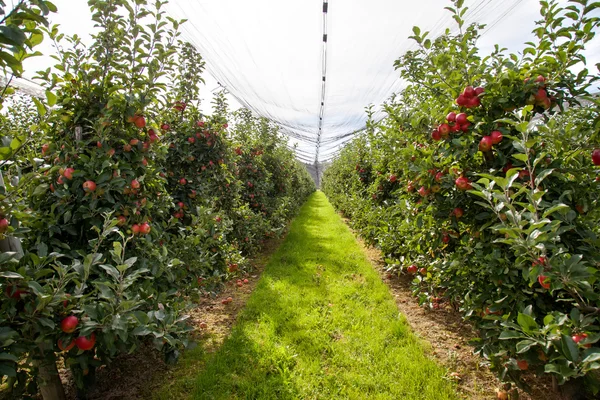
x: 122, y: 204
x: 128, y: 202
x: 482, y: 183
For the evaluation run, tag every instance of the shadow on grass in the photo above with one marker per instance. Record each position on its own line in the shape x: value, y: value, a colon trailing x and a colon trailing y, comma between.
x: 320, y: 324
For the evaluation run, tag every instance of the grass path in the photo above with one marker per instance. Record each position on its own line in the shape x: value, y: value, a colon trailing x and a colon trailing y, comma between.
x: 320, y: 325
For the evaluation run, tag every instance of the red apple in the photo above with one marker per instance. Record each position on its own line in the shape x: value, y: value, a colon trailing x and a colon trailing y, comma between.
x: 463, y: 183
x: 496, y: 137
x: 486, y: 143
x: 135, y: 184
x: 461, y: 119
x: 182, y: 181
x: 436, y: 135
x: 68, y: 173
x: 596, y: 156
x: 83, y: 343
x: 423, y: 271
x: 579, y: 337
x: 246, y: 281
x: 444, y: 129
x: 122, y: 220
x: 542, y: 260
x: 458, y: 212
x: 412, y: 269
x: 134, y: 142
x: 179, y: 106
x: 393, y: 178
x: 153, y: 137
x: 461, y: 100
x: 69, y: 324
x: 469, y: 91
x: 544, y: 281
x: 45, y: 148
x: 68, y: 347
x: 423, y: 191
x: 165, y: 127
x: 17, y: 294
x: 89, y: 186
x: 540, y: 95
x: 479, y: 90
x: 473, y: 102
x: 451, y: 117
x: 145, y: 228
x: 127, y: 148
x: 439, y: 176
x: 139, y: 121
x: 4, y: 224
x: 523, y: 365
x: 135, y: 228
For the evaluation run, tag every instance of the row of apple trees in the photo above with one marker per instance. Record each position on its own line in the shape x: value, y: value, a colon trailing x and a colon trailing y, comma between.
x: 121, y: 202
x: 482, y: 182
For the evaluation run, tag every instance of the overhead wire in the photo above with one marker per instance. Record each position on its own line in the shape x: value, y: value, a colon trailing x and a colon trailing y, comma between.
x: 260, y: 53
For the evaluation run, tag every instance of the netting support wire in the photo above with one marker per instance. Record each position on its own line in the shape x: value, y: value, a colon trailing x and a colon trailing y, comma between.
x: 323, y: 86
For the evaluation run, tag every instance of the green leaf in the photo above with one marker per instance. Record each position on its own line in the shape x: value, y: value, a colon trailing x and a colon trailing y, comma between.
x: 7, y: 370
x: 591, y: 355
x: 11, y: 34
x: 521, y: 157
x: 527, y: 323
x: 8, y: 357
x: 525, y: 345
x: 8, y: 256
x: 10, y: 275
x: 569, y: 348
x: 554, y: 209
x: 543, y: 176
x: 112, y: 271
x: 506, y: 335
x: 50, y: 98
x: 40, y: 106
x: 41, y: 190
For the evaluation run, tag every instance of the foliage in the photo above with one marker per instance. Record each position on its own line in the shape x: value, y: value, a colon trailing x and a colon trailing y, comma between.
x: 314, y: 311
x: 504, y: 224
x: 96, y: 208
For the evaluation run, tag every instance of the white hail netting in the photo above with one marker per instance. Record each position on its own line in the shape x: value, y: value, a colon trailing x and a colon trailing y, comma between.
x: 269, y: 55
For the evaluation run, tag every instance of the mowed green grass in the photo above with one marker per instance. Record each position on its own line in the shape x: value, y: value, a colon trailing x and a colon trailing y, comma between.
x: 320, y: 325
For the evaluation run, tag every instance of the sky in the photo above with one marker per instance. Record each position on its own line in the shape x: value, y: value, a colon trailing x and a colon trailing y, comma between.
x: 268, y: 53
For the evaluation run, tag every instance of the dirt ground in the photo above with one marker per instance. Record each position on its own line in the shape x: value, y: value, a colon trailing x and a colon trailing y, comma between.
x: 448, y: 335
x: 135, y: 376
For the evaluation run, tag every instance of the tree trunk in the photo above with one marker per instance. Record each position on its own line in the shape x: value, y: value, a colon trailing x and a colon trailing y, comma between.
x: 51, y: 387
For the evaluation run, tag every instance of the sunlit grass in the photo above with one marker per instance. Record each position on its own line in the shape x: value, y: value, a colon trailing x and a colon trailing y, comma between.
x: 320, y: 325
